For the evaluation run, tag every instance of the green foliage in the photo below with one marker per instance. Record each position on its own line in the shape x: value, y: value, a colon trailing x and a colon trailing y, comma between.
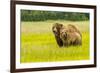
x: 38, y: 44
x: 33, y: 15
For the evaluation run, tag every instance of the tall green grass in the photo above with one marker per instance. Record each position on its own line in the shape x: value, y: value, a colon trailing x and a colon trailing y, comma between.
x: 38, y: 43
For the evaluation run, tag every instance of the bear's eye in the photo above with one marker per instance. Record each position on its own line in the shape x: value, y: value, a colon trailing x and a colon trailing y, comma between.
x: 54, y: 31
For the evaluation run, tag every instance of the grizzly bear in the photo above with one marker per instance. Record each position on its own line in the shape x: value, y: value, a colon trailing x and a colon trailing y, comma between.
x: 66, y: 36
x: 56, y: 30
x: 70, y: 38
x: 70, y: 35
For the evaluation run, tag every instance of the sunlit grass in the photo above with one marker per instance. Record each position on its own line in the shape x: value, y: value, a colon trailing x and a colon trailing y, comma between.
x: 39, y: 45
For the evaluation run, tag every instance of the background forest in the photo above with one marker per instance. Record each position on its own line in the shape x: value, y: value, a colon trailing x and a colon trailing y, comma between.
x: 31, y: 15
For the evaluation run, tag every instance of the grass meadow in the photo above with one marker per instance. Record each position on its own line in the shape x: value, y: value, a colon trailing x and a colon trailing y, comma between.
x: 38, y: 43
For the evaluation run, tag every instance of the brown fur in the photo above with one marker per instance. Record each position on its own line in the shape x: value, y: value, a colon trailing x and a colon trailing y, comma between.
x: 73, y: 28
x: 56, y: 30
x: 70, y: 35
x: 66, y: 36
x: 70, y: 38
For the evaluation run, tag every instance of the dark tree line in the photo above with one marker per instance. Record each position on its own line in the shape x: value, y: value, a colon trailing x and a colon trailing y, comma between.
x: 33, y: 15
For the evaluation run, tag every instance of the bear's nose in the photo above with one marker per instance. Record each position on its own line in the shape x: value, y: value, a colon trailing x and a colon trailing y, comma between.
x: 64, y: 36
x: 54, y: 32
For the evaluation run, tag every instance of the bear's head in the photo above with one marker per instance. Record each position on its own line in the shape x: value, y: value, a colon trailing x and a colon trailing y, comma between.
x: 56, y: 28
x: 63, y: 34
